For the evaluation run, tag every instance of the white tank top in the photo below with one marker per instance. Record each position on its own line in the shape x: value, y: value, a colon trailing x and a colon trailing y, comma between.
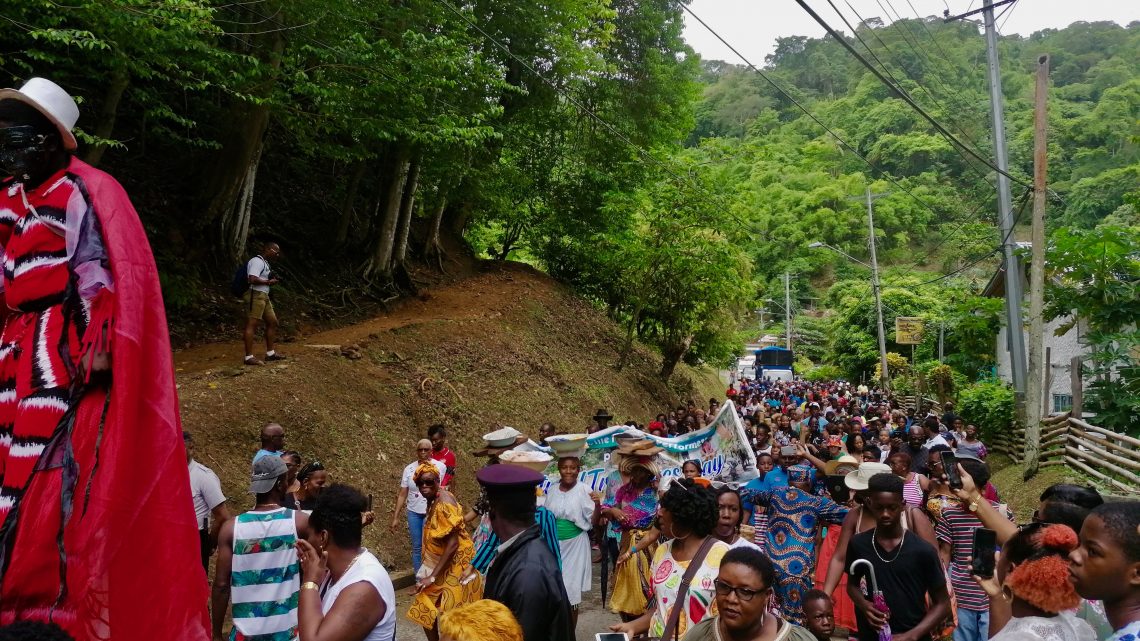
x: 367, y: 569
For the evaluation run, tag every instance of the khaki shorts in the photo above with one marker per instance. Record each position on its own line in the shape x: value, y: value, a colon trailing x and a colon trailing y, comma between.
x: 258, y: 306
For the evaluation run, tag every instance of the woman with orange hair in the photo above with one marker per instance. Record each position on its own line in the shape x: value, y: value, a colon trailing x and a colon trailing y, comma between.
x: 1031, y: 597
x: 447, y: 550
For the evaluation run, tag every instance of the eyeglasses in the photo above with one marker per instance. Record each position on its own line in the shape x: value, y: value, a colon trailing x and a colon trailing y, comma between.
x: 744, y: 594
x: 423, y: 449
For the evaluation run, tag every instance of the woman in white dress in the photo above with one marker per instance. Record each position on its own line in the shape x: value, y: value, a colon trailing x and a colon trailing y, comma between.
x: 573, y: 509
x: 1031, y: 597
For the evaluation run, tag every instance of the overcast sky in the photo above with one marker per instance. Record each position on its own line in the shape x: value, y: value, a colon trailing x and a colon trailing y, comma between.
x: 752, y: 26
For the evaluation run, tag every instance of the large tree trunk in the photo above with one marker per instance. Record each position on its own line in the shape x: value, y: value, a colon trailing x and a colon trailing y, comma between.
x: 235, y: 225
x: 407, y: 208
x: 671, y: 354
x: 433, y: 248
x: 627, y: 347
x: 108, y: 111
x: 241, y: 145
x: 380, y: 265
x: 347, y: 208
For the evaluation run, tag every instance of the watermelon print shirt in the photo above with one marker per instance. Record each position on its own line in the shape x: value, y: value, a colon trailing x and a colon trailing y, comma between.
x: 700, y: 602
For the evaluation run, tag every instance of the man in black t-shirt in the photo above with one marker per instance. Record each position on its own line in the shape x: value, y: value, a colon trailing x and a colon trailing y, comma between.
x: 907, y: 568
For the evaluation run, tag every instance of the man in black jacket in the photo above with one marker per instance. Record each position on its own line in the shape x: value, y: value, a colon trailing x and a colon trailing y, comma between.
x: 525, y: 575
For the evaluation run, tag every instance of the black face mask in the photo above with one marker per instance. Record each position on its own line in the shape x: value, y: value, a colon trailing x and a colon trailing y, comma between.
x: 23, y: 152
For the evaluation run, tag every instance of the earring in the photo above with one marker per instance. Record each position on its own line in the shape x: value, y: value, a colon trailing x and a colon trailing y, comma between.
x: 1006, y: 593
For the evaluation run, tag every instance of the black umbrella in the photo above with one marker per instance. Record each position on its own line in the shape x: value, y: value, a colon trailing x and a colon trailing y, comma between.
x: 605, y: 565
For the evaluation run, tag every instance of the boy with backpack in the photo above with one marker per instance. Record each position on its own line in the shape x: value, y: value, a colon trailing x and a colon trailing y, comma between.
x: 258, y: 306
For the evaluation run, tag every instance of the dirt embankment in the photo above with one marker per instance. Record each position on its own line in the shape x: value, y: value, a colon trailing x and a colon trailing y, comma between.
x: 505, y: 347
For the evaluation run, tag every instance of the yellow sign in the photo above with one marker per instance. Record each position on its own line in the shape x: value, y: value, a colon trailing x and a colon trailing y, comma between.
x: 908, y: 330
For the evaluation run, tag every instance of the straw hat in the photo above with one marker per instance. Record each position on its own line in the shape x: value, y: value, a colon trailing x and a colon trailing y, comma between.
x: 847, y: 462
x: 641, y: 447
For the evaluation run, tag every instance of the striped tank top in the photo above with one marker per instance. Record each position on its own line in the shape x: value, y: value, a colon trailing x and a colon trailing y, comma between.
x: 266, y: 576
x: 912, y: 491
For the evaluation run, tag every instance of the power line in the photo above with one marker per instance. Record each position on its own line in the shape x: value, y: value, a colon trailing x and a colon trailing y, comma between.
x: 807, y: 112
x: 914, y: 79
x: 904, y: 96
x: 1008, y: 11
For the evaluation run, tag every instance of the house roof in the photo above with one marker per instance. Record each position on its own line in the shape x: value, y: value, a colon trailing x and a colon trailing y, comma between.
x: 995, y: 288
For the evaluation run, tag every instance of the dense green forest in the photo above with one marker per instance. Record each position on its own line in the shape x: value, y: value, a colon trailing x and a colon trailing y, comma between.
x: 586, y: 137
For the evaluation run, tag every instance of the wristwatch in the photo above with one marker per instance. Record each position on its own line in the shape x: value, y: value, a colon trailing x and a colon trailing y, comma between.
x: 973, y: 506
x: 309, y: 585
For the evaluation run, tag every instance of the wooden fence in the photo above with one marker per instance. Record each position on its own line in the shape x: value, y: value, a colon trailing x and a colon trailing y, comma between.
x: 1111, y: 458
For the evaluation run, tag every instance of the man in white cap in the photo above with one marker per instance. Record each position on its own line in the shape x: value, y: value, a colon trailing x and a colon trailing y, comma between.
x: 82, y: 434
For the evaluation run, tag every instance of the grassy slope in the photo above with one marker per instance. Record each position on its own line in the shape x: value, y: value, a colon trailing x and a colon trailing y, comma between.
x: 507, y: 347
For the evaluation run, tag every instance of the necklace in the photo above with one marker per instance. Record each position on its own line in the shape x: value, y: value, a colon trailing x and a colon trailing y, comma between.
x: 875, y: 546
x: 331, y: 581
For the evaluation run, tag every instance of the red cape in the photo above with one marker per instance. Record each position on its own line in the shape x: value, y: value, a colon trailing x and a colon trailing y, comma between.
x: 133, y: 565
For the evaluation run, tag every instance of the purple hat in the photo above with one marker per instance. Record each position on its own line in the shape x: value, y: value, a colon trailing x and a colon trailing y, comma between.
x: 506, y: 476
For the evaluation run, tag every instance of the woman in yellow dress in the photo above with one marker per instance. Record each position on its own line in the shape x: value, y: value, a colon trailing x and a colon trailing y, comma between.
x: 447, y: 550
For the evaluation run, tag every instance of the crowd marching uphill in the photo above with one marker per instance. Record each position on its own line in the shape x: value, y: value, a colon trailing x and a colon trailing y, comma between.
x: 790, y: 510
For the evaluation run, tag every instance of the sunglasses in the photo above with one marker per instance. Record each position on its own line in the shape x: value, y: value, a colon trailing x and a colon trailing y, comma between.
x: 20, y: 137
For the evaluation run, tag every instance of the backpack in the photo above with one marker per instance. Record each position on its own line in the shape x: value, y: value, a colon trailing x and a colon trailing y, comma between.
x: 240, y: 283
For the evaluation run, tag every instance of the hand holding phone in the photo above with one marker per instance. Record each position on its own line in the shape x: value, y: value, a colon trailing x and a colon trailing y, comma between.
x: 982, y: 563
x: 950, y: 470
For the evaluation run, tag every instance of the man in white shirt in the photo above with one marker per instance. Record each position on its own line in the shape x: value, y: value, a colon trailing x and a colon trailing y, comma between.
x: 209, y: 502
x: 933, y: 433
x: 258, y: 305
x: 409, y: 497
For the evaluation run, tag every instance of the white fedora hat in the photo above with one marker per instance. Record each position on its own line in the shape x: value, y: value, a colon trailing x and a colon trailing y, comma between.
x: 50, y: 100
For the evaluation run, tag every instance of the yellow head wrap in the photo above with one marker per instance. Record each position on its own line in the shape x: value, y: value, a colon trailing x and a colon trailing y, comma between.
x: 482, y: 620
x: 425, y: 468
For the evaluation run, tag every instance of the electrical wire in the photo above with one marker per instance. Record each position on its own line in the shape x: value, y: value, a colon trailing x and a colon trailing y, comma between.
x: 906, y: 97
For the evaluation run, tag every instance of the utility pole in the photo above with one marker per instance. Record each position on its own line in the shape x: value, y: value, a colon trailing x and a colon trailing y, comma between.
x: 941, y: 336
x: 884, y: 378
x: 1015, y: 337
x: 1034, y: 385
x: 1014, y: 332
x: 788, y: 308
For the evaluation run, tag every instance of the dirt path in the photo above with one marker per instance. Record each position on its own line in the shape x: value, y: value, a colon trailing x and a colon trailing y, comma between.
x: 475, y: 297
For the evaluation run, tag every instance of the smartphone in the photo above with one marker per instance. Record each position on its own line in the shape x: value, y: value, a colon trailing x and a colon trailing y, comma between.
x: 985, y: 541
x: 950, y: 469
x: 369, y: 502
x: 839, y: 491
x: 611, y: 636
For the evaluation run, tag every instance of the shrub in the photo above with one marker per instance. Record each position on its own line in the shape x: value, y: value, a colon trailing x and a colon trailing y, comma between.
x: 823, y: 373
x: 989, y: 405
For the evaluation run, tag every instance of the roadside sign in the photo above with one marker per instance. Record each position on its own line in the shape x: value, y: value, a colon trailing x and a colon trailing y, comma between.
x: 908, y: 330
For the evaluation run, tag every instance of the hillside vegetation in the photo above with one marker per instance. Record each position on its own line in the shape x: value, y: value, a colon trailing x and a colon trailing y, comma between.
x: 507, y: 347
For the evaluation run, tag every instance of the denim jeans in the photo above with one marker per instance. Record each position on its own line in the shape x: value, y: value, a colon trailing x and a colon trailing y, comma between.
x: 973, y: 625
x: 416, y: 527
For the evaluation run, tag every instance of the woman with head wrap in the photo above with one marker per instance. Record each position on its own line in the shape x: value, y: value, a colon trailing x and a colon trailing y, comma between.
x: 793, y: 514
x: 447, y: 550
x: 631, y: 510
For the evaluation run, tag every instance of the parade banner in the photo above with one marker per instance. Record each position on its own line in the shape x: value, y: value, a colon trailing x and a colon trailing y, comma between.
x: 721, y: 448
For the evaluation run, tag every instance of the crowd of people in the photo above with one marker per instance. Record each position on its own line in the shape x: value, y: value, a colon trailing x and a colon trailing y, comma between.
x: 854, y: 527
x: 864, y: 517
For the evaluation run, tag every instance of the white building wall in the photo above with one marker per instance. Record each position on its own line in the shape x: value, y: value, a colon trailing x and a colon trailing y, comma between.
x: 1061, y: 351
